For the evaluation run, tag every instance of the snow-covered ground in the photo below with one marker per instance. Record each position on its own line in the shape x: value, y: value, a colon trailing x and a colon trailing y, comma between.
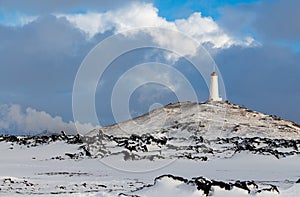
x: 200, y: 149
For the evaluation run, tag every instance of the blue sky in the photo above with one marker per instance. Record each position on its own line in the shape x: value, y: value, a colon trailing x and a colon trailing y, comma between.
x: 182, y: 8
x: 255, y: 44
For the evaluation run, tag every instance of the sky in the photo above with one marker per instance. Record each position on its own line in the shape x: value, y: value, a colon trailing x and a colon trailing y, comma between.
x: 254, y: 43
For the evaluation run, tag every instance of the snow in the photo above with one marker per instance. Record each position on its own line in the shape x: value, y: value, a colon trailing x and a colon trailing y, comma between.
x: 118, y: 176
x: 208, y: 119
x: 144, y: 164
x: 170, y: 187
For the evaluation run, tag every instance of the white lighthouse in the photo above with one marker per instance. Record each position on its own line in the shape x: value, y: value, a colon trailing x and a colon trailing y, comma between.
x: 214, y: 88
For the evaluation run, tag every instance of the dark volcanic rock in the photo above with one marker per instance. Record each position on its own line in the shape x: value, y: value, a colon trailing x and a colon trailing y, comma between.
x: 242, y: 184
x: 206, y: 185
x: 150, y: 146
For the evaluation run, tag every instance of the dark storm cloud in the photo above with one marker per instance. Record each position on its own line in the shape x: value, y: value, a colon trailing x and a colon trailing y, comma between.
x: 45, y: 7
x: 270, y: 20
x: 264, y: 78
x: 39, y: 61
x: 280, y: 20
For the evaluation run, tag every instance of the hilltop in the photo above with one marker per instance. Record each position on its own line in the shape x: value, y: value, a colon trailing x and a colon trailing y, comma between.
x: 210, y: 120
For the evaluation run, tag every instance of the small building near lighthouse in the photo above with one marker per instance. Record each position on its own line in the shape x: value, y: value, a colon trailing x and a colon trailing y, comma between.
x: 214, y: 88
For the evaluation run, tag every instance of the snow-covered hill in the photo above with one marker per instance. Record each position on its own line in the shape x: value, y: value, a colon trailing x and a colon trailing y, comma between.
x: 218, y: 119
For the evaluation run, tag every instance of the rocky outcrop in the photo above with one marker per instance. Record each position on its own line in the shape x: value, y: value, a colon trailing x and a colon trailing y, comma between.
x: 208, y: 186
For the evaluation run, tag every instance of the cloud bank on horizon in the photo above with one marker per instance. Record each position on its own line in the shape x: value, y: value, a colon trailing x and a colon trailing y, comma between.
x: 255, y: 44
x: 32, y: 122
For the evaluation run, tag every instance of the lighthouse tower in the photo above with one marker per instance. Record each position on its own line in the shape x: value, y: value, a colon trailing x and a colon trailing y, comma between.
x: 214, y: 88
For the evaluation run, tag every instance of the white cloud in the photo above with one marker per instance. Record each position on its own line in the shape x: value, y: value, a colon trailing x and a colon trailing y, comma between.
x: 122, y: 19
x: 204, y: 29
x: 27, y: 19
x: 90, y: 23
x: 12, y: 118
x: 137, y: 15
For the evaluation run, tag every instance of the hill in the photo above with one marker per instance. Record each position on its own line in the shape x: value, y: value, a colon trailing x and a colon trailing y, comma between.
x: 210, y: 120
